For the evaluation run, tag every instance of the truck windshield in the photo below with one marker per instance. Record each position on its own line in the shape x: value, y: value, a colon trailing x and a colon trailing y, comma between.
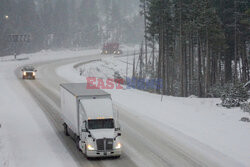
x: 101, y: 124
x: 29, y: 68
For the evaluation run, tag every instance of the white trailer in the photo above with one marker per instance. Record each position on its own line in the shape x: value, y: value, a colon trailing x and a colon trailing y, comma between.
x: 90, y: 119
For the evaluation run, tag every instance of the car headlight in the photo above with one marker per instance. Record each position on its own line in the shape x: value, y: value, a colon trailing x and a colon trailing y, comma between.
x: 90, y: 147
x: 118, y: 146
x: 24, y: 73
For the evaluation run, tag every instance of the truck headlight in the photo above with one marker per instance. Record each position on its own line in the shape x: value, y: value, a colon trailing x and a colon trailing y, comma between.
x: 33, y: 73
x: 24, y: 73
x: 118, y: 146
x: 91, y: 148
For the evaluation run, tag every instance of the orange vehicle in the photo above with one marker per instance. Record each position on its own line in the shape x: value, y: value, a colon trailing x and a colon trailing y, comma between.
x: 111, y: 48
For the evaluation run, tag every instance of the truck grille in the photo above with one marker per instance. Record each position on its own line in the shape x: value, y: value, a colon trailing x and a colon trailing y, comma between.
x: 104, y: 143
x: 29, y: 73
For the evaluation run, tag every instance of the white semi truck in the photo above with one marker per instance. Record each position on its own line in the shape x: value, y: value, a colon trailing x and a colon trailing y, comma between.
x: 90, y: 120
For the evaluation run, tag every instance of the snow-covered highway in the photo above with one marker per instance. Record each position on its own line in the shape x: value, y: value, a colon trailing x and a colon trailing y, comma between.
x: 36, y: 126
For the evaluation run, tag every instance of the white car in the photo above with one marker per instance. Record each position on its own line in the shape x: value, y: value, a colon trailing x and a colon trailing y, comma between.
x: 29, y: 72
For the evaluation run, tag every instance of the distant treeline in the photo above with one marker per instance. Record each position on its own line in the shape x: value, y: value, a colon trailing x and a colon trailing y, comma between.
x: 56, y: 24
x: 202, y: 44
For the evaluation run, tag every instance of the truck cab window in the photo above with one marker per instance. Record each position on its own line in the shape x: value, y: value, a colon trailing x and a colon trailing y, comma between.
x: 101, y: 124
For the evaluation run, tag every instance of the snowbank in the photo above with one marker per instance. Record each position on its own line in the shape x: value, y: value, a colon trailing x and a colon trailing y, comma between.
x: 199, y: 119
x: 106, y: 67
x: 26, y: 136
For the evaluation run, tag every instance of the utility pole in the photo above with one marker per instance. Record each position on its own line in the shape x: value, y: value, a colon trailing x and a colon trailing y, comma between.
x: 145, y: 33
x: 180, y: 50
x: 18, y: 39
x: 127, y: 68
x: 235, y: 43
x: 141, y: 61
x: 153, y: 52
x: 133, y: 66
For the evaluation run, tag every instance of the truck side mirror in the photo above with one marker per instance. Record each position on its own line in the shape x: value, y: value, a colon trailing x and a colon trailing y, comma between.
x: 117, y: 129
x: 118, y: 134
x: 21, y: 69
x: 35, y: 70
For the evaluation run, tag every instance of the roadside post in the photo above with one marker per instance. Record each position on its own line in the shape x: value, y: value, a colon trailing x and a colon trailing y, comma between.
x: 17, y: 40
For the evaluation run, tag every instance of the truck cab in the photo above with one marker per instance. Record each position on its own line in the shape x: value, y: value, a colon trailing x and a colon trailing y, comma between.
x: 90, y: 119
x: 99, y: 137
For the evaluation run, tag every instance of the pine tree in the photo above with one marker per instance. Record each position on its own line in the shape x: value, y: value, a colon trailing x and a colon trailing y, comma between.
x: 61, y: 16
x: 88, y: 19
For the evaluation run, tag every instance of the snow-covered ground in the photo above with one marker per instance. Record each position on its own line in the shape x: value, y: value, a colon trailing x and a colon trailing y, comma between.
x: 196, y: 122
x: 26, y: 136
x: 106, y: 67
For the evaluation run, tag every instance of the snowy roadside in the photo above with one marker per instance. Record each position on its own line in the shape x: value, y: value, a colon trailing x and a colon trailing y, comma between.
x: 26, y: 136
x: 204, y: 124
x: 106, y: 67
x: 46, y: 55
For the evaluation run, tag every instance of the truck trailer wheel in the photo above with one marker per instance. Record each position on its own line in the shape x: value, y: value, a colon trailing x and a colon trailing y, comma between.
x: 66, y: 129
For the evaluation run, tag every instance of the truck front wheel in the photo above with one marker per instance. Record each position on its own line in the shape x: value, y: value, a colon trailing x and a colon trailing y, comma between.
x: 78, y: 144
